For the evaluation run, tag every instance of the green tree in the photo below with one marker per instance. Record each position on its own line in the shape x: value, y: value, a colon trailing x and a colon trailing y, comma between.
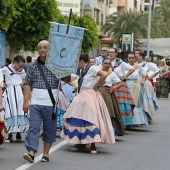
x: 7, y: 10
x: 91, y: 37
x: 30, y: 24
x: 63, y: 19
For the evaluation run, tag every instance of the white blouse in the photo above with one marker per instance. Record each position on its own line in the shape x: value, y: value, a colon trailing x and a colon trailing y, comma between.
x: 121, y: 70
x: 150, y: 73
x: 15, y: 78
x: 149, y: 66
x: 1, y: 79
x: 98, y: 60
x: 91, y: 78
x: 111, y: 79
x: 137, y: 74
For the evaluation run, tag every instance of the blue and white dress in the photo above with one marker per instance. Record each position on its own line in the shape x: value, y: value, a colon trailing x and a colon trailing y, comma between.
x: 12, y: 100
x: 142, y: 110
x: 148, y: 86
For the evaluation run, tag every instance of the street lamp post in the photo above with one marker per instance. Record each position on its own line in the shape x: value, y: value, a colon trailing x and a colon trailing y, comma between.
x: 82, y: 8
x: 149, y: 28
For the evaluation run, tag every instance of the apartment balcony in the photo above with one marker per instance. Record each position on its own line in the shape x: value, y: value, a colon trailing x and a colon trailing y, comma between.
x: 118, y: 3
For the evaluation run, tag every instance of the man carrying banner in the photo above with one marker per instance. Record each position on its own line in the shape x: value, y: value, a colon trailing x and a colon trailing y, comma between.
x: 41, y: 107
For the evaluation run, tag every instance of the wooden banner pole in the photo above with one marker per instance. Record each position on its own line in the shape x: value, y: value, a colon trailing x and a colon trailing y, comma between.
x: 55, y: 114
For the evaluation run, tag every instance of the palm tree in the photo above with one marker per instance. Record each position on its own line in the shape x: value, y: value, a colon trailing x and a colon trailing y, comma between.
x: 164, y: 11
x: 137, y: 23
x: 128, y: 22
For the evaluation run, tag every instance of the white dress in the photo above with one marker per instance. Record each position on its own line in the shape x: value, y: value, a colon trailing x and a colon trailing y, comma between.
x: 141, y: 111
x: 87, y: 119
x: 15, y: 119
x: 148, y: 66
x: 1, y: 86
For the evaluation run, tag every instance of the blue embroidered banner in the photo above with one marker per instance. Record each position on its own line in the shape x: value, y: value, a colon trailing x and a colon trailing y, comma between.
x: 2, y: 48
x: 64, y: 49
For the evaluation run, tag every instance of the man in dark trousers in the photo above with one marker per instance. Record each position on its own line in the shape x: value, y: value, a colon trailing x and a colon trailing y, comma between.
x: 40, y: 105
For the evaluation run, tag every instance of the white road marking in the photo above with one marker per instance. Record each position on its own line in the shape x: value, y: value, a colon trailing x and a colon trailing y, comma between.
x: 38, y: 158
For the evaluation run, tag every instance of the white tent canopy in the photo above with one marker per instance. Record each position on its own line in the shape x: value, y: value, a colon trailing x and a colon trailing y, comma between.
x: 159, y: 46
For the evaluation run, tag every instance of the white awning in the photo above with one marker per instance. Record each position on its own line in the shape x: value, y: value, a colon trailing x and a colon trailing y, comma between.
x: 159, y: 46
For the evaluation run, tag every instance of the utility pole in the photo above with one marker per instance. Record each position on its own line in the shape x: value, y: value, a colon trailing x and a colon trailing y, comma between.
x: 82, y: 8
x: 149, y: 28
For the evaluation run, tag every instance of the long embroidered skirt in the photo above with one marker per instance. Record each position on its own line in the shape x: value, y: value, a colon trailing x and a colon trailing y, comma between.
x: 15, y: 119
x: 87, y: 120
x: 151, y: 96
x: 162, y: 90
x: 142, y: 111
x: 2, y: 131
x: 114, y: 111
x: 126, y: 104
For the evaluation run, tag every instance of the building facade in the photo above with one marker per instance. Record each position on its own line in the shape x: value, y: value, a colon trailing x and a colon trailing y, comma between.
x: 120, y: 6
x: 65, y: 5
x: 145, y: 4
x: 98, y: 9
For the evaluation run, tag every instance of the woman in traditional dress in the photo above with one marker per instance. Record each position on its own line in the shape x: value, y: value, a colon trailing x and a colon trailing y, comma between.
x: 124, y: 97
x: 2, y: 125
x: 148, y: 86
x: 68, y: 91
x: 142, y: 111
x: 87, y: 120
x: 16, y: 121
x: 162, y: 90
x: 62, y: 107
x: 107, y: 92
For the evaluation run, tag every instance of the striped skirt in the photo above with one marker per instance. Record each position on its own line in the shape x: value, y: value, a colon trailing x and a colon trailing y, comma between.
x: 126, y: 104
x: 15, y: 119
x: 114, y: 111
x: 87, y: 120
x: 142, y: 111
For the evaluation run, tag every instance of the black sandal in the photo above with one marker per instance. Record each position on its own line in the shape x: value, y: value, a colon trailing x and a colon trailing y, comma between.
x: 45, y: 159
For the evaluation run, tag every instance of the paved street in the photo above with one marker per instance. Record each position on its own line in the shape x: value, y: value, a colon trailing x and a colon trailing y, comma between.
x: 145, y: 148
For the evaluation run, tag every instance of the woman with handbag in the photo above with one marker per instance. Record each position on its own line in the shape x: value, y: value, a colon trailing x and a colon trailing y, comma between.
x: 162, y: 90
